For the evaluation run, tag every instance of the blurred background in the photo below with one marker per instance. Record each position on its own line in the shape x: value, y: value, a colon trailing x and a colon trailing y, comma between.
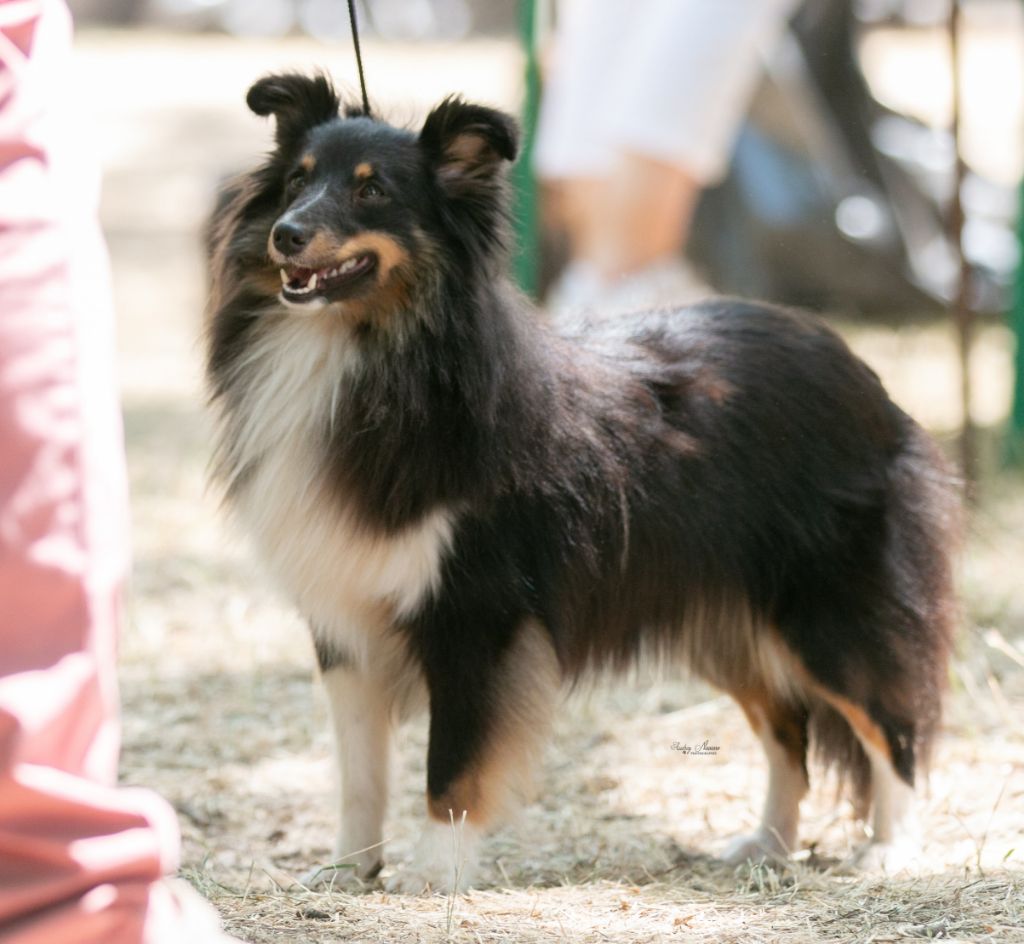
x: 838, y: 194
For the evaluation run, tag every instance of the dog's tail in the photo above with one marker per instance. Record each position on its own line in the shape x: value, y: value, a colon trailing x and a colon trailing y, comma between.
x: 836, y: 748
x: 914, y: 604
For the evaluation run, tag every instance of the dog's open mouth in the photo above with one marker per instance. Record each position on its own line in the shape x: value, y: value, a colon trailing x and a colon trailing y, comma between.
x: 299, y: 284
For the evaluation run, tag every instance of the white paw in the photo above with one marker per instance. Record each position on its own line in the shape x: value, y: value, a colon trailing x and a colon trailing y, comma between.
x: 411, y: 880
x: 757, y: 847
x: 900, y: 855
x: 443, y: 862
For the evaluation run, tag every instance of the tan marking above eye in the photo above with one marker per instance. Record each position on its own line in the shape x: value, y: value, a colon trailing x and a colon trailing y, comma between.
x: 364, y: 171
x: 307, y: 163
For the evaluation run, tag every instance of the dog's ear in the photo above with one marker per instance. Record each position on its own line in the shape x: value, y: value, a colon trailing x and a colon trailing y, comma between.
x: 297, y: 102
x: 467, y: 144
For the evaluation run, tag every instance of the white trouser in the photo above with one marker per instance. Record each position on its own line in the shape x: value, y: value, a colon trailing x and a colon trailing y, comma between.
x: 666, y: 79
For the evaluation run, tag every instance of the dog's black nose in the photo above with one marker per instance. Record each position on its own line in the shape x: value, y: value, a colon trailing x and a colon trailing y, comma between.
x: 289, y: 238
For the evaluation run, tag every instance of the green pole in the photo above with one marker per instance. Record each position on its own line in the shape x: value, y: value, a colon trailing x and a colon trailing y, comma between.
x: 527, y: 240
x: 1015, y: 435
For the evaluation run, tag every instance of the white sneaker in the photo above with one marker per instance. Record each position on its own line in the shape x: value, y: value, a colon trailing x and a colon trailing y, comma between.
x: 581, y: 289
x: 578, y: 288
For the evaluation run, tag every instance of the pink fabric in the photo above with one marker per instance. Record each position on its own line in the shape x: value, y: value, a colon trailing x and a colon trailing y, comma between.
x: 80, y: 859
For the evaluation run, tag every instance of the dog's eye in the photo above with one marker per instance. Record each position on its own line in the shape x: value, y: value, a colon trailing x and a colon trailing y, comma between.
x: 295, y: 183
x: 371, y: 191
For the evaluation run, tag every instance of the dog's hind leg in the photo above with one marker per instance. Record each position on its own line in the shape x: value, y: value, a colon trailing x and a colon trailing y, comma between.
x: 488, y: 724
x: 782, y: 729
x: 890, y: 747
x: 895, y: 831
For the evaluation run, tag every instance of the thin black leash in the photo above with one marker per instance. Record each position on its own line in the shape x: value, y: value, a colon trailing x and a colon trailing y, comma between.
x: 359, y: 55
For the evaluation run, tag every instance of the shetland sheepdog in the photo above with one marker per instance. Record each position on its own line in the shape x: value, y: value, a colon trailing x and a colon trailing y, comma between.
x: 474, y: 510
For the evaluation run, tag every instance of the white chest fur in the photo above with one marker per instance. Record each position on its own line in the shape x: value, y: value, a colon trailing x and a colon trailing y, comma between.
x: 335, y: 569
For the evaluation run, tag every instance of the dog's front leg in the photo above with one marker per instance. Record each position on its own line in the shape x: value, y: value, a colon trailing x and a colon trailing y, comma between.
x: 488, y: 724
x: 360, y: 709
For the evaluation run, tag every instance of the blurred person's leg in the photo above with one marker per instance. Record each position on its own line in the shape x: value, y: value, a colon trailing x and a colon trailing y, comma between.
x: 640, y: 115
x: 574, y: 155
x: 80, y: 860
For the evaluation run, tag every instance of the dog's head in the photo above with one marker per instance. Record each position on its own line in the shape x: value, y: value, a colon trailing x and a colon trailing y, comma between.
x: 357, y: 211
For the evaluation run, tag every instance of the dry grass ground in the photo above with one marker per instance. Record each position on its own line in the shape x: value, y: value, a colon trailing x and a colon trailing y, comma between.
x: 221, y: 716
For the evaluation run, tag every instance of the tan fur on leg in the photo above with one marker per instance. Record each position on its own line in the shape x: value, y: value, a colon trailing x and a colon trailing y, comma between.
x: 502, y: 775
x: 784, y: 740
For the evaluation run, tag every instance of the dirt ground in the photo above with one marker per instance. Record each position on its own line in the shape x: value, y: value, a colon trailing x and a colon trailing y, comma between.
x: 222, y: 717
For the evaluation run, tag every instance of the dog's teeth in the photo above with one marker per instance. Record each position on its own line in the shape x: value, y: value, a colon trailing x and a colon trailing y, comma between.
x: 317, y: 277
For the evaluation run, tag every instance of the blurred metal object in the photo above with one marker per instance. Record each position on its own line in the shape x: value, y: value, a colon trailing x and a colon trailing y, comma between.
x: 324, y: 19
x: 420, y: 19
x: 835, y: 201
x: 121, y: 12
x: 533, y: 19
x: 401, y: 20
x: 911, y: 12
x: 964, y: 316
x: 268, y: 18
x: 1014, y: 451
